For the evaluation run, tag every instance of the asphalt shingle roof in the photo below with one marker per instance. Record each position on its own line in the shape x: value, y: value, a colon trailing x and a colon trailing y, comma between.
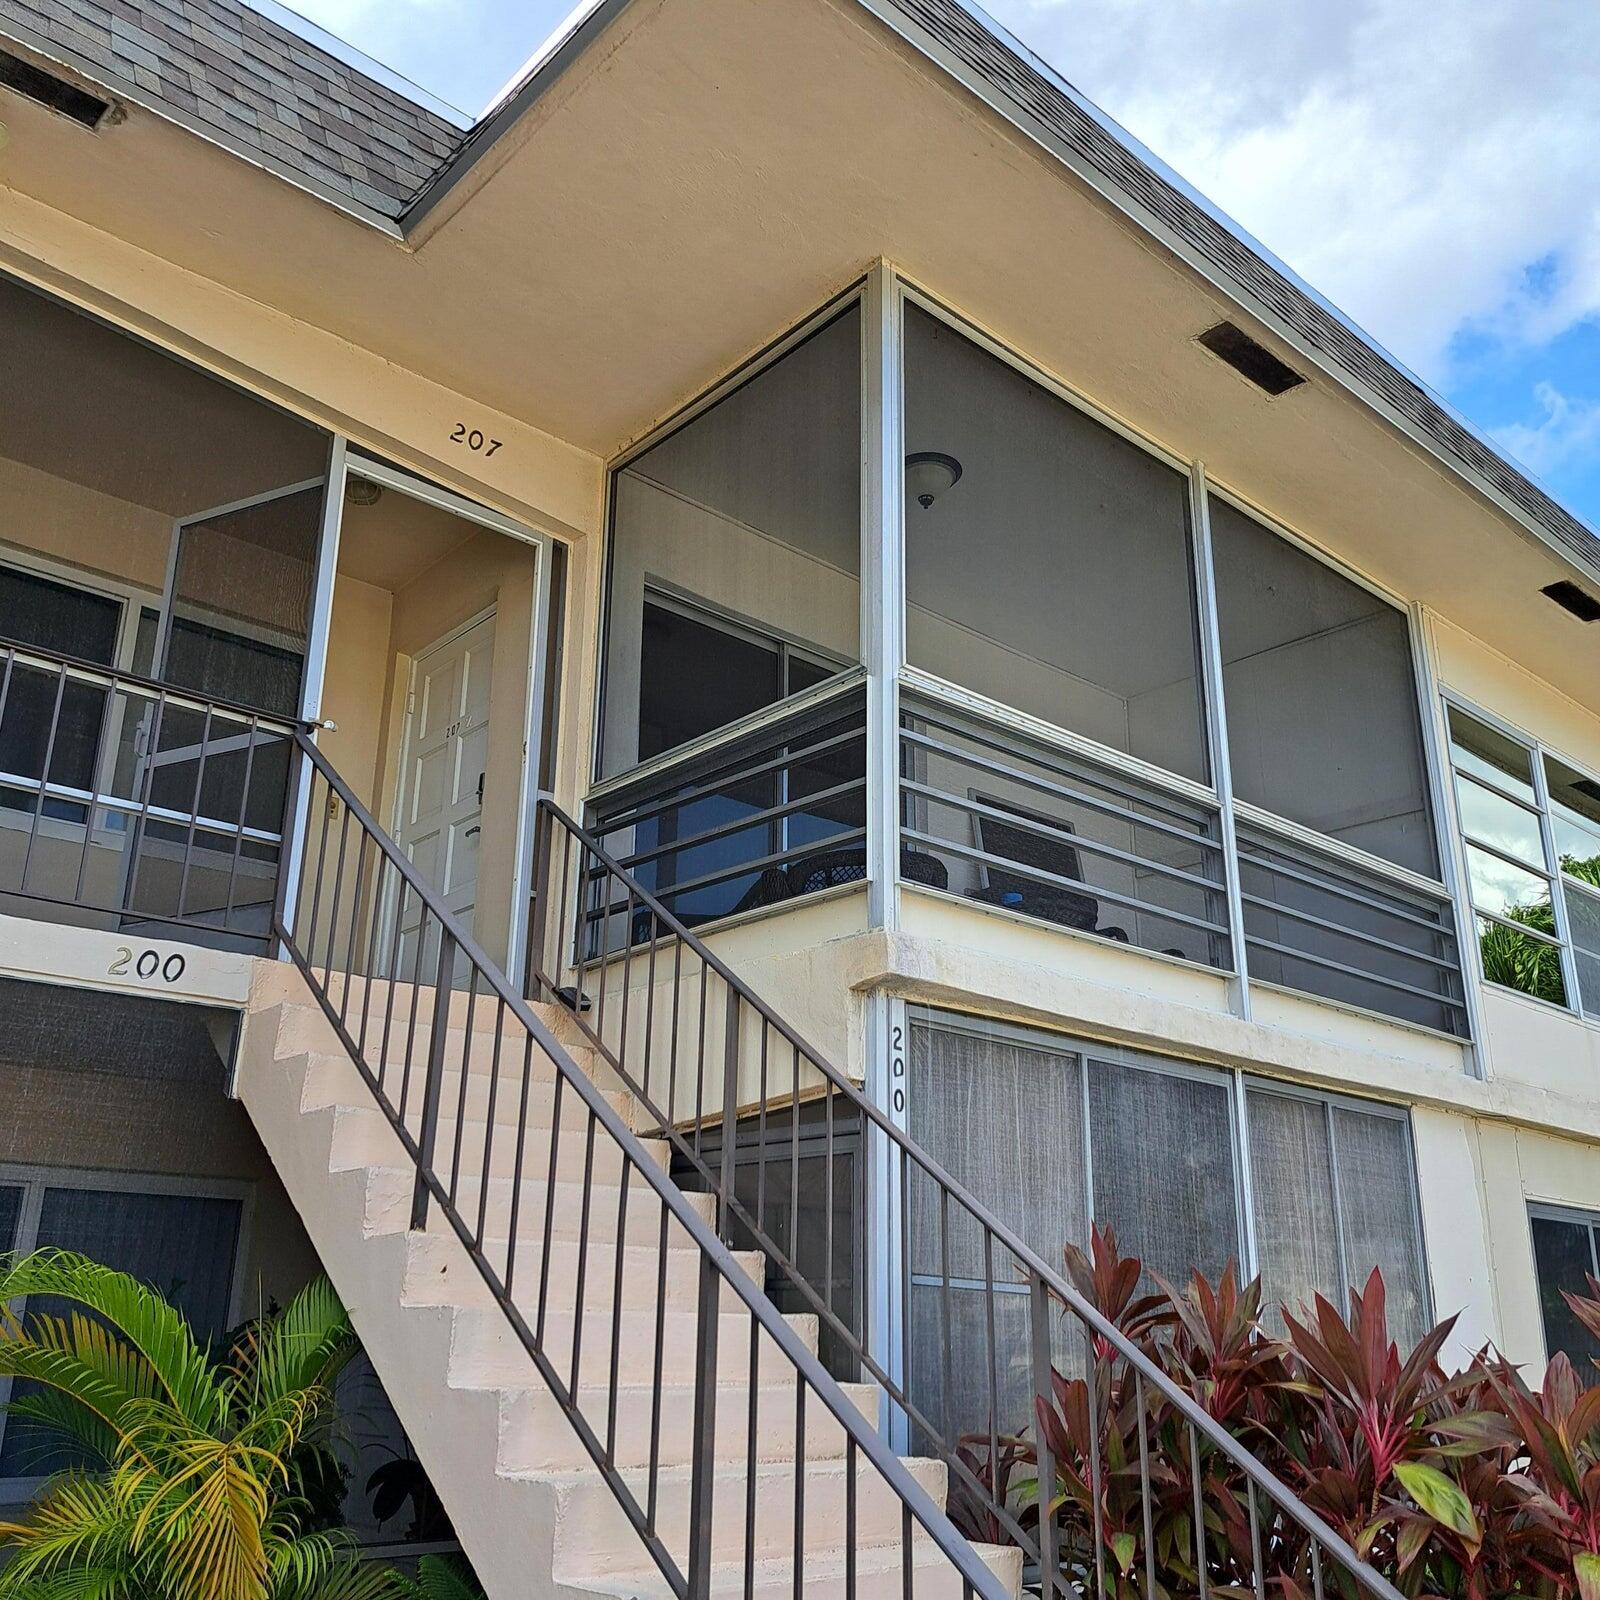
x: 245, y: 77
x: 273, y: 95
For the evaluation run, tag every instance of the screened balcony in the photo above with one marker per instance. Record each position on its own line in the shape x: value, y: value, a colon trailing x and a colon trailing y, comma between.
x: 1063, y: 678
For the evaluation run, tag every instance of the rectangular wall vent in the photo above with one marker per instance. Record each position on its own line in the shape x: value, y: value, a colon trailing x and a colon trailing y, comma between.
x: 1570, y: 597
x: 34, y: 83
x: 1229, y: 342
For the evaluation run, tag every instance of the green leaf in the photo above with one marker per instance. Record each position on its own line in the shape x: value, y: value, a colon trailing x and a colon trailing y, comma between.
x: 1587, y: 1567
x: 1123, y: 1546
x: 1440, y: 1497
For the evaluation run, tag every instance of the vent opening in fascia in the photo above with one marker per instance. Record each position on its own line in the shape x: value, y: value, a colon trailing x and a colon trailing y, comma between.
x: 1570, y: 597
x: 46, y: 89
x: 1249, y: 357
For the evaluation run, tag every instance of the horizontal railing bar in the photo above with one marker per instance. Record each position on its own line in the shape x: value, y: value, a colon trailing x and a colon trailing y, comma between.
x: 127, y: 915
x: 1325, y: 847
x: 1359, y: 936
x: 1454, y: 1002
x: 838, y: 841
x: 1294, y: 869
x: 1042, y: 830
x: 1059, y: 791
x: 603, y: 1115
x: 756, y: 819
x: 722, y: 779
x: 1091, y: 891
x: 112, y: 802
x: 109, y: 677
x: 810, y: 705
x: 1309, y: 1522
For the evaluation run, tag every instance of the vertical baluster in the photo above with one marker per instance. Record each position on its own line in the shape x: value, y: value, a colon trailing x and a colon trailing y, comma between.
x: 753, y: 1459
x: 761, y: 1131
x: 44, y: 777
x: 908, y: 1570
x: 1146, y: 1508
x: 442, y: 998
x: 827, y: 1201
x: 487, y: 1168
x: 372, y: 965
x: 194, y: 811
x: 992, y: 1349
x: 519, y: 1154
x: 1258, y: 1574
x: 947, y: 1325
x: 1039, y: 1338
x: 616, y: 1310
x: 1316, y: 1568
x: 550, y: 1208
x: 658, y: 1365
x: 423, y: 914
x: 700, y: 1071
x: 585, y: 1208
x: 107, y: 716
x: 703, y: 1448
x: 1096, y: 1493
x: 352, y: 938
x: 730, y: 1115
x: 244, y: 813
x: 650, y: 1004
x: 437, y: 1040
x: 627, y: 991
x: 672, y: 1038
x: 799, y: 1485
x: 1201, y: 1582
x: 338, y: 889
x: 850, y: 1518
x: 794, y: 1159
x: 142, y: 819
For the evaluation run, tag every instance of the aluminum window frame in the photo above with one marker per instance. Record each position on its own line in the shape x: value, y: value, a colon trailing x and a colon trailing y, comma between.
x: 1578, y: 1216
x: 1239, y: 1083
x: 35, y: 1180
x: 1550, y: 870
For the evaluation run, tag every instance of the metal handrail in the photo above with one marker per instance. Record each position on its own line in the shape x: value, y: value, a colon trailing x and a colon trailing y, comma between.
x: 1043, y: 1283
x: 437, y: 1182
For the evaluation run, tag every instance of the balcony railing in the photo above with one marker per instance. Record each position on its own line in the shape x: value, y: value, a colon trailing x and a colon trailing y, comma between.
x: 132, y: 803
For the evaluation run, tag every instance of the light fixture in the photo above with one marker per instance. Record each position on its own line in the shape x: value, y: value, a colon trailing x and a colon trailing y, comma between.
x: 928, y: 474
x: 362, y: 491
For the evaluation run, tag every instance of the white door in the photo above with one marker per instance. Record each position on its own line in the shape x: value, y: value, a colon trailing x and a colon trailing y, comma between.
x: 440, y: 824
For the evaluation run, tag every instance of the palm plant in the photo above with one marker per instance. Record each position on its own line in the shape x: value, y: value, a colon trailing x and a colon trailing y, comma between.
x: 187, y: 1474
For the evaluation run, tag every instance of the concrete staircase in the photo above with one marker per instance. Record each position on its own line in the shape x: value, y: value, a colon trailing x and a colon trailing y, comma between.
x: 534, y: 1515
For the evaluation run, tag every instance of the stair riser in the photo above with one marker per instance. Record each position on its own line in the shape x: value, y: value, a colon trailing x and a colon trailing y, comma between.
x: 487, y: 1354
x: 333, y: 1080
x: 438, y: 1274
x: 592, y: 1532
x: 535, y: 1437
x: 365, y: 1139
x: 557, y: 1018
x: 388, y: 1208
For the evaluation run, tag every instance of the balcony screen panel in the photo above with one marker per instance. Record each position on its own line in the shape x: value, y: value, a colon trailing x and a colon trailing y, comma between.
x: 1323, y: 726
x: 700, y: 677
x: 1164, y: 1173
x: 1055, y: 574
x: 241, y: 602
x: 1583, y: 918
x: 1042, y: 833
x: 1563, y: 1257
x: 1297, y: 1222
x: 1329, y: 928
x: 752, y: 509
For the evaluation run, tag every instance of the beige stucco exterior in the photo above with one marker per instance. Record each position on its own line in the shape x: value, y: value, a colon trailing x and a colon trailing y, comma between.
x: 566, y: 353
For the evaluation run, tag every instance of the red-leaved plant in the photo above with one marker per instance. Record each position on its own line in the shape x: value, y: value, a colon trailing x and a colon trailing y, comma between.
x: 1463, y: 1484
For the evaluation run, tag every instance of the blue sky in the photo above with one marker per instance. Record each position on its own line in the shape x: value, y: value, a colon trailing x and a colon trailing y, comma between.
x: 1435, y: 172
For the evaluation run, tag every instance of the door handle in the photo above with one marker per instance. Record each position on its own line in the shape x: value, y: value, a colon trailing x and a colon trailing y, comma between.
x: 472, y: 830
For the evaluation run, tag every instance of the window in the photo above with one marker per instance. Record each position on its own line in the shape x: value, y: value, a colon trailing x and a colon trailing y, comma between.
x: 1530, y: 828
x: 1054, y: 574
x: 182, y: 1240
x: 1052, y: 1135
x: 1565, y: 1257
x: 734, y: 567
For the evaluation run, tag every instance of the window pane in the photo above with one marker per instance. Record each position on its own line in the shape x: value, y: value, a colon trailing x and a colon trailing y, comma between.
x: 696, y: 677
x: 754, y: 507
x: 1493, y: 820
x: 1509, y: 891
x: 1054, y: 573
x: 1297, y: 1224
x: 1486, y: 753
x: 58, y: 616
x: 1322, y: 703
x: 10, y: 1211
x: 1163, y: 1162
x: 1005, y: 1120
x: 182, y: 1246
x: 1563, y: 1261
x: 1517, y: 960
x: 1575, y: 811
x: 1378, y: 1208
x: 1583, y: 917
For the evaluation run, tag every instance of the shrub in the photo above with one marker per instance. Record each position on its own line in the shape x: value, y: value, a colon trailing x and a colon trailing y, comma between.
x: 1466, y: 1484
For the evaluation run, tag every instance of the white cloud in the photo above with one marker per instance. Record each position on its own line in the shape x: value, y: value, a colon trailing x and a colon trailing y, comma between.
x: 1409, y: 161
x: 1566, y: 433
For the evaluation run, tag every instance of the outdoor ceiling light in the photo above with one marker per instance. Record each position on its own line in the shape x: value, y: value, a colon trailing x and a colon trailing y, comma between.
x: 362, y: 491
x: 929, y: 474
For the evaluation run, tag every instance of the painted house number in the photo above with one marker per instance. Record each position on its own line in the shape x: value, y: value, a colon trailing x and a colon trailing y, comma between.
x: 474, y: 439
x: 147, y: 964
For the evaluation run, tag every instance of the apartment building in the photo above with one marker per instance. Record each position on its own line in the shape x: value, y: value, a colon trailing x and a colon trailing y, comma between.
x: 680, y: 730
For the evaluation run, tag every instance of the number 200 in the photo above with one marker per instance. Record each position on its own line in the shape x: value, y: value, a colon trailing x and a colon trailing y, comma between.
x: 147, y: 964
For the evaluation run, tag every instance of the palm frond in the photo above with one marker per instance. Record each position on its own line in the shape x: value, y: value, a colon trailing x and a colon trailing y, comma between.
x: 304, y: 1347
x: 75, y: 1525
x: 156, y: 1330
x: 444, y: 1578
